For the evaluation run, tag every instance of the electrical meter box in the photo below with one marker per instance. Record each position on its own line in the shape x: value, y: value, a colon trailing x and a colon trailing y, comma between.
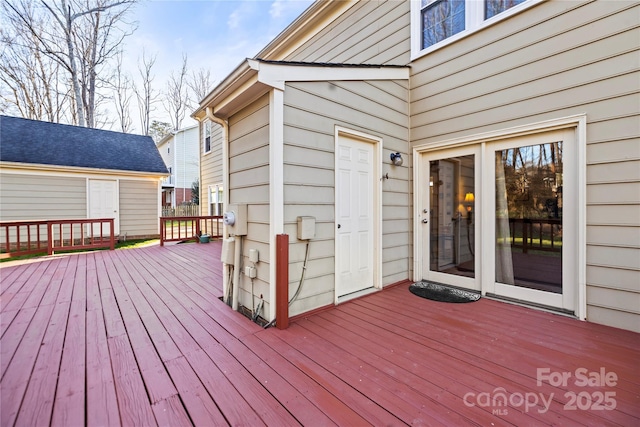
x: 228, y: 249
x: 235, y: 218
x: 306, y: 227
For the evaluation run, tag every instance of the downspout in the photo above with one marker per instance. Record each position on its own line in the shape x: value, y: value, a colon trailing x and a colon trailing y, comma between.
x: 225, y: 195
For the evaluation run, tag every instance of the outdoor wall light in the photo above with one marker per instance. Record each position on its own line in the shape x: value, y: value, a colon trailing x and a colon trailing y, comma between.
x: 396, y: 159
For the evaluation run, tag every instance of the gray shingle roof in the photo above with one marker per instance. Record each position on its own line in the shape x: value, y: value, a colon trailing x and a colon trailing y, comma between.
x: 36, y: 142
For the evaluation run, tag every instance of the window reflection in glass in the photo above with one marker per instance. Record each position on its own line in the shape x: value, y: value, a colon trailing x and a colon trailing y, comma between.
x: 451, y: 219
x: 494, y: 7
x: 529, y: 216
x: 442, y: 19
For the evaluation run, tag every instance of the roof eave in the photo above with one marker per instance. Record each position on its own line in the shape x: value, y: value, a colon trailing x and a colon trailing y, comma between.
x: 79, y: 170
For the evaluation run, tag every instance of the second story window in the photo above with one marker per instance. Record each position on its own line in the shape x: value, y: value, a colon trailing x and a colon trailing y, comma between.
x: 441, y: 19
x: 436, y: 21
x: 207, y: 137
x: 494, y: 7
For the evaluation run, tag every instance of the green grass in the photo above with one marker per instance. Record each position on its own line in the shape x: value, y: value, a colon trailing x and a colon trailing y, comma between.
x: 546, y: 243
x: 129, y: 244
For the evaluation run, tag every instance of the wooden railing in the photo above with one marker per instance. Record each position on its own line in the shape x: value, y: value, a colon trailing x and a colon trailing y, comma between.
x: 185, y: 228
x: 536, y: 234
x: 33, y: 237
x: 181, y: 211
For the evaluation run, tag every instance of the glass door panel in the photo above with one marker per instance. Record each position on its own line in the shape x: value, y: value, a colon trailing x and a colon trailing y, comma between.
x: 452, y: 203
x: 531, y: 210
x: 449, y: 222
x: 528, y: 195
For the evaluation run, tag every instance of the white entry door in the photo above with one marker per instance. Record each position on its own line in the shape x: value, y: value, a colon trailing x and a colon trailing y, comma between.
x: 355, y: 216
x: 103, y: 202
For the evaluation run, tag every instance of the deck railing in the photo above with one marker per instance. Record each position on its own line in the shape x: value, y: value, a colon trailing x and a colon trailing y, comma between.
x: 536, y: 234
x: 50, y: 236
x: 185, y: 228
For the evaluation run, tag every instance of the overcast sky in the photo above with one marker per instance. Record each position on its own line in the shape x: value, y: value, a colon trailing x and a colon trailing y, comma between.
x: 215, y: 34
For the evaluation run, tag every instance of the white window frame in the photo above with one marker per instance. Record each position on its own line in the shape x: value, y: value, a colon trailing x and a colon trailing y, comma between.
x: 206, y: 134
x: 474, y: 21
x: 215, y: 189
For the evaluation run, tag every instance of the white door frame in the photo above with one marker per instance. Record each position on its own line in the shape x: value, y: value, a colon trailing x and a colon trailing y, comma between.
x: 377, y: 217
x: 577, y: 171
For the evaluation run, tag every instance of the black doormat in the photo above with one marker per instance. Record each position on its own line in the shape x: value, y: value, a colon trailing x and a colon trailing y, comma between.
x: 442, y: 293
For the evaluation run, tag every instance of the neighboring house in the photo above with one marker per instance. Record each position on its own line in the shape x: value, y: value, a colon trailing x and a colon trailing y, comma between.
x: 53, y: 171
x: 179, y: 150
x: 518, y: 124
x: 211, y: 185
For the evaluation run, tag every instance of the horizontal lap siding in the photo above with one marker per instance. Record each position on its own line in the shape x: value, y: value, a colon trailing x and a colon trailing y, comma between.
x: 211, y: 167
x: 312, y: 111
x: 554, y: 60
x: 38, y: 197
x: 249, y: 184
x: 139, y: 208
x: 370, y: 32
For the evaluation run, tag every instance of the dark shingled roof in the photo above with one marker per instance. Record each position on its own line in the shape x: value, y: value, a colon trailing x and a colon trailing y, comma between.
x: 32, y: 141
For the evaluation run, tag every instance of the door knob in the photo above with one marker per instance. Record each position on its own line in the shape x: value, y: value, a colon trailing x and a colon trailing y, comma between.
x: 424, y: 221
x: 339, y: 226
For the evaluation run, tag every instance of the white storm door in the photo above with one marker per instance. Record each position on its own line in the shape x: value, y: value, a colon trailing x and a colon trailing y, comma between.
x: 103, y: 203
x: 355, y: 233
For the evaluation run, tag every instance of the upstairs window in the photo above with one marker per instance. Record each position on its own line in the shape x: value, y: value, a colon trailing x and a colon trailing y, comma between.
x: 435, y: 23
x: 207, y: 137
x: 494, y: 7
x: 441, y: 19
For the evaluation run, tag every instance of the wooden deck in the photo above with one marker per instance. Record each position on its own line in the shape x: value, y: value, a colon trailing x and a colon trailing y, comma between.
x: 139, y: 337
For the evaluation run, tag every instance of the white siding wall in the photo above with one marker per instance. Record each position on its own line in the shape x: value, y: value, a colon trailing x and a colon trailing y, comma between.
x: 139, y: 208
x: 211, y: 164
x: 249, y: 184
x: 557, y: 59
x: 371, y: 32
x: 312, y: 111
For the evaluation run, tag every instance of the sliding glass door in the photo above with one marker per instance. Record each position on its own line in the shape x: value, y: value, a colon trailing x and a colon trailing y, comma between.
x: 500, y: 216
x: 533, y: 206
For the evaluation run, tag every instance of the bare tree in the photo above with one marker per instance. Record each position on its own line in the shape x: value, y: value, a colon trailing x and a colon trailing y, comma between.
x: 177, y: 96
x: 80, y: 35
x: 200, y: 84
x: 31, y: 84
x: 122, y: 89
x: 145, y: 93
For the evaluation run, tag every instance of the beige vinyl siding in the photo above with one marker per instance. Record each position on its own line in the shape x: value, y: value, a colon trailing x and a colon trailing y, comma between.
x: 554, y: 60
x: 249, y: 184
x: 312, y: 112
x: 139, y: 208
x: 40, y: 197
x: 211, y: 165
x: 370, y: 32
